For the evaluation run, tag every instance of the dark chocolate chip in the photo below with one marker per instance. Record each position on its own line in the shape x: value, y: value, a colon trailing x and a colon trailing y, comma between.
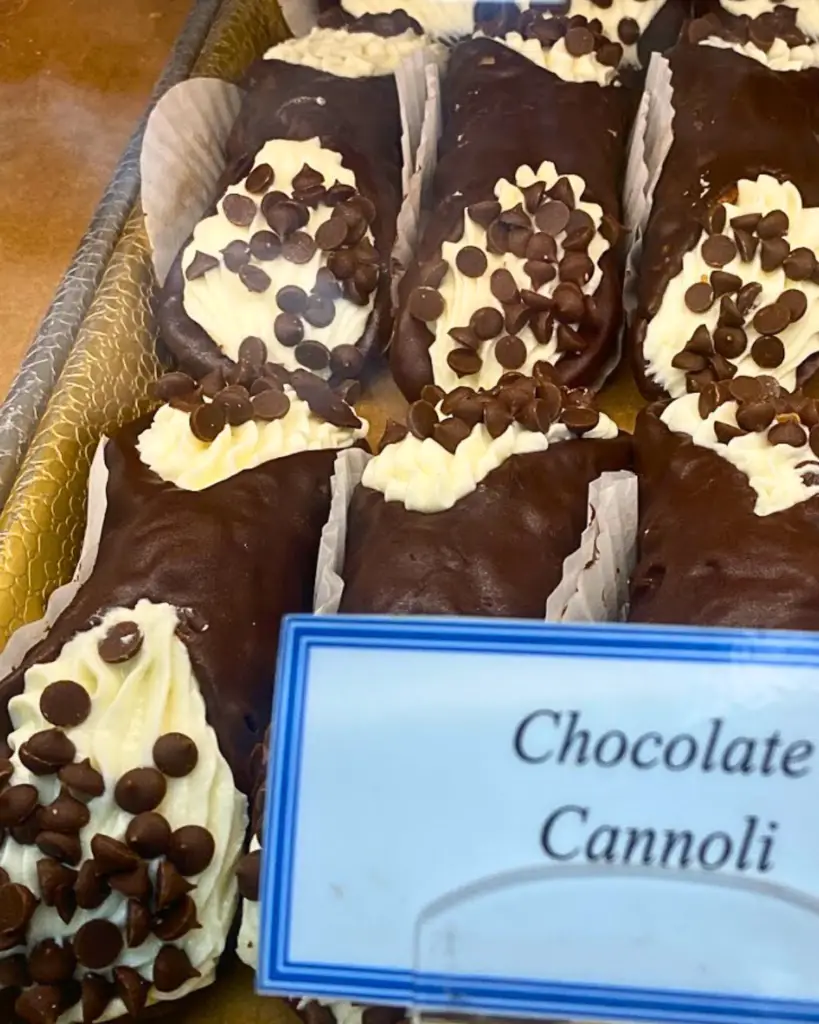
x: 577, y: 267
x: 170, y: 885
x: 540, y: 272
x: 755, y: 416
x: 149, y: 835
x: 191, y: 849
x: 747, y: 297
x: 464, y: 361
x: 773, y: 225
x: 65, y: 814
x: 421, y: 419
x: 54, y: 880
x: 175, y: 754
x: 50, y: 963
x: 562, y: 192
x: 260, y: 179
x: 212, y: 383
x: 628, y: 31
x: 16, y: 804
x: 40, y: 1004
x: 746, y: 245
x: 729, y: 314
x: 97, y: 944
x: 533, y: 195
x: 510, y: 352
x: 774, y: 253
x: 331, y: 234
x: 366, y: 278
x: 131, y: 988
x: 699, y: 297
x: 322, y: 400
x: 535, y: 301
x: 516, y: 317
x: 14, y: 971
x: 270, y: 404
x: 730, y: 342
x: 497, y: 238
x: 542, y: 325
x: 201, y: 263
x: 465, y: 336
x: 17, y: 904
x: 800, y: 264
x: 172, y: 385
x: 394, y: 432
x: 772, y: 319
x: 726, y: 432
x: 796, y: 303
x: 135, y: 884
x: 450, y: 432
x: 788, y: 432
x: 291, y: 299
x: 111, y: 855
x: 517, y: 217
x: 346, y: 361
x: 426, y: 304
x: 471, y: 261
x: 768, y: 352
x: 172, y: 968
x: 46, y: 751
x: 171, y: 924
x: 579, y: 41
x: 288, y: 329
x: 253, y: 352
x: 568, y: 303
x: 717, y: 250
x: 247, y: 874
x: 81, y: 778
x: 542, y: 247
x: 497, y: 418
x: 746, y: 222
x: 552, y: 217
x: 206, y: 423
x: 485, y: 212
x: 97, y: 993
x: 137, y: 924
x: 580, y: 419
x: 715, y: 221
x: 724, y: 283
x: 140, y: 789
x: 518, y: 241
x: 486, y: 322
x: 338, y: 193
x: 299, y: 248
x: 610, y: 54
x: 121, y: 643
x: 689, y: 362
x: 90, y: 890
x: 264, y: 245
x: 254, y: 278
x: 313, y: 355
x: 503, y: 286
x: 60, y: 846
x: 306, y: 179
x: 568, y: 340
x: 239, y: 210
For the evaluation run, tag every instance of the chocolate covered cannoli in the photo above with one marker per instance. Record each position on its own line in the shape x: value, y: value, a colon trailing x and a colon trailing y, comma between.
x: 729, y: 508
x: 128, y: 730
x: 297, y: 250
x: 474, y: 506
x: 728, y: 278
x: 518, y: 263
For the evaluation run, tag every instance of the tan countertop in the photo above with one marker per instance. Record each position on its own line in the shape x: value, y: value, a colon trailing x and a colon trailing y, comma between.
x: 75, y: 76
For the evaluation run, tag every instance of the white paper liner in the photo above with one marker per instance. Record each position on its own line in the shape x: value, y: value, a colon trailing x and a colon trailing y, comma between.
x: 24, y: 638
x: 594, y: 585
x: 183, y: 155
x: 300, y: 15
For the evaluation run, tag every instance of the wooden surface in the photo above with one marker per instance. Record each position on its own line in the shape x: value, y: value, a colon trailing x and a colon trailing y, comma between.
x: 75, y: 76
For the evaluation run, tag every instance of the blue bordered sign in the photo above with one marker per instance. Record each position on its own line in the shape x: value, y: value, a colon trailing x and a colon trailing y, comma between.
x: 519, y: 819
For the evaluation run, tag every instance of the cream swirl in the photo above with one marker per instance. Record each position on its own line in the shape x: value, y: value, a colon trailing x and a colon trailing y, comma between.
x: 776, y: 472
x: 674, y: 322
x: 780, y: 57
x: 171, y: 450
x: 463, y: 295
x: 426, y: 477
x: 348, y: 54
x: 559, y: 61
x: 224, y: 307
x: 132, y: 704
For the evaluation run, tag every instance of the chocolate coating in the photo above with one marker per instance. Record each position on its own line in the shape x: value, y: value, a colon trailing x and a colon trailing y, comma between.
x: 705, y: 558
x: 498, y: 551
x: 240, y: 555
x: 733, y: 118
x: 500, y: 112
x: 357, y: 117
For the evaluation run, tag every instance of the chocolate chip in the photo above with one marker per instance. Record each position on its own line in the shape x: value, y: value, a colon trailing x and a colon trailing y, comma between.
x: 212, y: 383
x: 299, y: 248
x: 111, y: 855
x: 721, y: 368
x: 40, y: 1004
x: 510, y: 352
x: 97, y: 944
x: 552, y: 217
x: 542, y: 325
x: 338, y: 193
x: 97, y: 993
x: 628, y: 31
x: 81, y: 778
x: 291, y: 299
x: 724, y: 283
x: 540, y: 272
x: 17, y: 904
x: 465, y: 336
x: 762, y: 31
x: 247, y: 875
x: 140, y: 789
x: 65, y: 814
x: 331, y: 234
x: 201, y: 263
x: 172, y: 385
x: 206, y: 423
x: 580, y: 419
x: 322, y: 400
x: 170, y: 885
x: 726, y: 432
x: 542, y: 247
x: 426, y: 304
x: 326, y: 284
x: 464, y: 362
x: 239, y: 210
x: 313, y: 355
x: 788, y: 432
x: 149, y: 835
x: 768, y: 352
x: 497, y: 238
x: 171, y: 924
x: 486, y: 322
x: 346, y: 361
x: 17, y: 803
x: 610, y: 54
x: 270, y: 405
x: 579, y: 41
x: 288, y: 329
x: 54, y: 878
x: 172, y: 968
x: 191, y: 849
x: 773, y: 225
x: 717, y: 250
x: 260, y: 178
x: 366, y: 278
x: 535, y: 301
x: 774, y: 253
x: 307, y: 179
x: 516, y: 317
x: 699, y: 297
x: 730, y: 342
x: 394, y: 432
x: 50, y: 963
x: 577, y: 267
x: 772, y: 319
x: 568, y: 303
x: 135, y: 884
x: 471, y: 261
x: 568, y: 340
x: 450, y: 432
x: 746, y: 222
x: 800, y: 264
x: 497, y: 419
x: 121, y: 643
x: 796, y: 303
x: 746, y: 389
x: 729, y: 314
x: 60, y: 846
x: 689, y: 362
x: 254, y: 278
x: 503, y: 286
x: 433, y: 394
x: 90, y: 890
x: 746, y: 245
x: 131, y: 988
x: 747, y: 297
x: 485, y: 212
x: 755, y: 416
x: 516, y: 217
x: 14, y: 971
x: 175, y: 754
x: 46, y: 751
x: 533, y: 195
x: 421, y: 419
x: 282, y: 216
x: 563, y: 192
x: 715, y: 220
x: 264, y: 245
x: 137, y: 924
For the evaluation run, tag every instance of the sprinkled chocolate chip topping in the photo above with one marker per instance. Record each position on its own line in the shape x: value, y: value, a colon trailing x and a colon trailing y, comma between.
x: 260, y: 178
x: 82, y: 778
x: 65, y: 703
x: 172, y: 968
x: 140, y: 789
x: 121, y: 643
x: 191, y: 850
x: 97, y: 944
x: 201, y: 263
x: 149, y: 835
x: 45, y: 752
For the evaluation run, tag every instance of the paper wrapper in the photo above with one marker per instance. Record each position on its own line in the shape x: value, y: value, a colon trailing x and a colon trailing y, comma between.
x: 594, y: 586
x: 183, y: 156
